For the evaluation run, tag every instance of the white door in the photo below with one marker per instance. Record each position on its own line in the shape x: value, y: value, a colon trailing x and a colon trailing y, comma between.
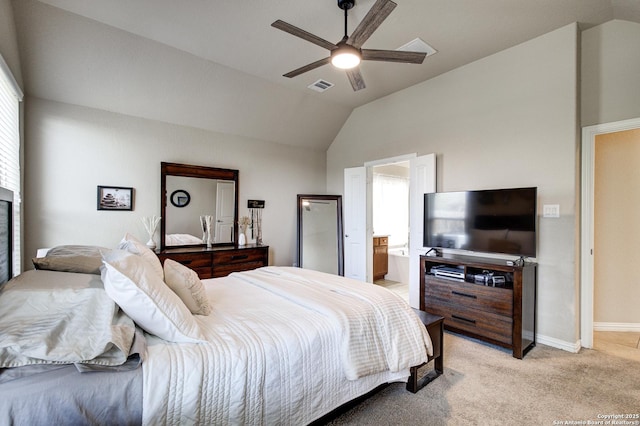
x: 225, y: 207
x: 422, y: 174
x: 355, y: 223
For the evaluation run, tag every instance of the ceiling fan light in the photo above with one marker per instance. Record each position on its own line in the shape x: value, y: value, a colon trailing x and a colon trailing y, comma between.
x: 345, y: 57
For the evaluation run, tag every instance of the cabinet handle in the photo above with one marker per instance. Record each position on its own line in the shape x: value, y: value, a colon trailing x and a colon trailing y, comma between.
x: 457, y: 293
x: 459, y: 318
x: 239, y: 257
x: 186, y: 261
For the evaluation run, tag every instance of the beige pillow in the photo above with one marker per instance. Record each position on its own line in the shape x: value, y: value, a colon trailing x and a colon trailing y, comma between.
x: 186, y: 284
x: 72, y: 258
x: 133, y: 245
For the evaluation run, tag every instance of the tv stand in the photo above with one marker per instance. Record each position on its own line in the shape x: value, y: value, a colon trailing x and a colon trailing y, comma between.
x: 491, y: 299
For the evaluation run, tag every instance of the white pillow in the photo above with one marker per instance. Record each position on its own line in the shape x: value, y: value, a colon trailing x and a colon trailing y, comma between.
x: 133, y: 245
x: 135, y: 287
x: 186, y: 284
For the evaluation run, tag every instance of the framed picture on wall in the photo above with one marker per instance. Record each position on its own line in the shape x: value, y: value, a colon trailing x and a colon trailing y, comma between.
x: 115, y: 198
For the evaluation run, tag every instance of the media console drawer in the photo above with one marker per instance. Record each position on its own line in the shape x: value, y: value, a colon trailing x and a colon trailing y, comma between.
x: 498, y: 300
x: 478, y: 322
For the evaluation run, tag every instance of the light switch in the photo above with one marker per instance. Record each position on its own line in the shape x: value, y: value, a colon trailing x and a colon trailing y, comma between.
x: 551, y: 210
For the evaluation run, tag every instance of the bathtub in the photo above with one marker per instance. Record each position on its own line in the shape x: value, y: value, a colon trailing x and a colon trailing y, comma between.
x: 398, y: 265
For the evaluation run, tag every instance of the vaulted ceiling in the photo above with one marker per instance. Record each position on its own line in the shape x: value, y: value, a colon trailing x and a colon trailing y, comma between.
x: 218, y: 64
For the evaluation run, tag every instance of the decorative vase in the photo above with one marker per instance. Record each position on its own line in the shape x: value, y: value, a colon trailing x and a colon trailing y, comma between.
x: 151, y: 244
x: 151, y: 224
x: 242, y: 239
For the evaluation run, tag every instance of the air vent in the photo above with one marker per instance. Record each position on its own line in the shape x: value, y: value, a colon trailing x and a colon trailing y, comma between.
x: 320, y: 86
x: 418, y: 45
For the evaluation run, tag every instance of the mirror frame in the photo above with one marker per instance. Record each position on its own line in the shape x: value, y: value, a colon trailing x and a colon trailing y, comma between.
x: 339, y: 234
x: 203, y: 172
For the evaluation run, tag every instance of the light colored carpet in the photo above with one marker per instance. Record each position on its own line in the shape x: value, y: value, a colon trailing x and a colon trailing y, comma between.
x: 484, y: 385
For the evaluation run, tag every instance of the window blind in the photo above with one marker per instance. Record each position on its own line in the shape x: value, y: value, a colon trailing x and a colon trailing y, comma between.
x: 10, y: 98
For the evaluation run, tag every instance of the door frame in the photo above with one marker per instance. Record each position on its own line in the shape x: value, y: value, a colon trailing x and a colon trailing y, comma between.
x: 589, y: 135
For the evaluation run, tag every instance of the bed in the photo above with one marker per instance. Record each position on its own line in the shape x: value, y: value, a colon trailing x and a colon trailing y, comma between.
x: 113, y: 336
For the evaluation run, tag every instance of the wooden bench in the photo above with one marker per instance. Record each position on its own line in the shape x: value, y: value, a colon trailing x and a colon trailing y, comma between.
x: 435, y: 327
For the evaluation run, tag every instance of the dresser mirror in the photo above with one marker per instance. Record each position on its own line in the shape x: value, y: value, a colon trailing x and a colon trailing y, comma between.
x: 320, y: 245
x: 189, y: 194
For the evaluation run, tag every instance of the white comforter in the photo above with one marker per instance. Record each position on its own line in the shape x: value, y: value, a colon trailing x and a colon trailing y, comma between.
x: 284, y: 346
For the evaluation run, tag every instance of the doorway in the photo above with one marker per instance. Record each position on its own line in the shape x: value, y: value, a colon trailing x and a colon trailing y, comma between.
x: 390, y: 218
x: 594, y: 248
x: 358, y: 222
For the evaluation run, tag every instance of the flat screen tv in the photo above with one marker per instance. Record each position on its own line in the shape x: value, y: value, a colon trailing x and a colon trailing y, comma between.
x: 490, y: 221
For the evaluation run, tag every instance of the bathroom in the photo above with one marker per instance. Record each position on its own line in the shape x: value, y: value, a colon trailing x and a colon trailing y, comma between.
x: 390, y: 214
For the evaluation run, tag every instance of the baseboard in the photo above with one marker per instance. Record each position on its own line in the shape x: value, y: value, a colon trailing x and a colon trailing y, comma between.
x: 559, y: 344
x: 616, y: 326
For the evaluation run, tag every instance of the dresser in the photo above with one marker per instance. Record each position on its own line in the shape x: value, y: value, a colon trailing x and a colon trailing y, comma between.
x: 217, y: 262
x: 380, y: 257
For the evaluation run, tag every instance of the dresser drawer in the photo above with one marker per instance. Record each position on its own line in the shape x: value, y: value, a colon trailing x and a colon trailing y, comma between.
x: 199, y: 262
x: 481, y: 323
x: 238, y: 256
x: 228, y: 261
x: 491, y: 299
x: 192, y: 260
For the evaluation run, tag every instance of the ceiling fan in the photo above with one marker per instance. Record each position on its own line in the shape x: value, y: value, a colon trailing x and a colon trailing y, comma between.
x: 347, y: 53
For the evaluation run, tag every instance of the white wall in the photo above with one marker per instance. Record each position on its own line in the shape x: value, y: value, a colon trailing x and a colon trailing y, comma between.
x: 609, y: 70
x: 69, y: 150
x: 8, y: 40
x: 507, y: 120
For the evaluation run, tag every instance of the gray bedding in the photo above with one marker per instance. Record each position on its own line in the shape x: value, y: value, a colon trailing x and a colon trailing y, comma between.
x: 61, y: 395
x: 68, y: 355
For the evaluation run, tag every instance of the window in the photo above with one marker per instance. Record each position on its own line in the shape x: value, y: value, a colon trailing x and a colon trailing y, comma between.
x: 10, y: 98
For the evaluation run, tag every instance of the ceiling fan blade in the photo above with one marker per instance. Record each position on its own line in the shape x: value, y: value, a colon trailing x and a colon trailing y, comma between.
x: 372, y: 20
x: 393, y: 56
x: 293, y: 30
x: 308, y: 67
x: 355, y: 78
